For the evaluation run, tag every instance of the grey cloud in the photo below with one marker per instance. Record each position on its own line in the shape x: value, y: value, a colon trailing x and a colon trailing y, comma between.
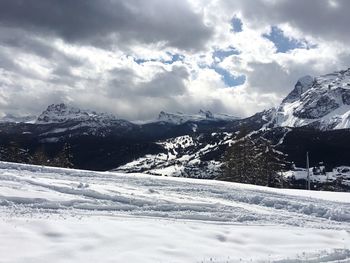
x: 17, y: 41
x: 8, y: 63
x: 121, y: 83
x: 165, y: 84
x: 29, y: 27
x: 273, y: 78
x: 62, y: 75
x: 21, y: 101
x: 317, y: 18
x: 314, y: 17
x: 20, y: 40
x: 97, y: 22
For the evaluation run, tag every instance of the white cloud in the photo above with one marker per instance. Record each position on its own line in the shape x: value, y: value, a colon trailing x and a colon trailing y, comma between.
x: 158, y: 55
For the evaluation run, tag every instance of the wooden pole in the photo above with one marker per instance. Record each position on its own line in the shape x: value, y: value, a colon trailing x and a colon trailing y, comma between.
x: 308, y: 170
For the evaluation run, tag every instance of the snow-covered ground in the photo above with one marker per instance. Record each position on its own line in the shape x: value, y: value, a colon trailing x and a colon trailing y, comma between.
x: 341, y: 173
x: 62, y: 215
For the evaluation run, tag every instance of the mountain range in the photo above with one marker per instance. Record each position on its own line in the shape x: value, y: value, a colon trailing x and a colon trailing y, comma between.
x: 314, y: 118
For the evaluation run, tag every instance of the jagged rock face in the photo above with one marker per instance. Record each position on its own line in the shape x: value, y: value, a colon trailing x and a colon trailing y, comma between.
x: 303, y: 85
x: 207, y: 114
x: 171, y: 117
x: 60, y: 113
x: 180, y: 118
x: 57, y: 113
x: 318, y: 105
x: 68, y: 121
x: 346, y: 98
x: 322, y: 102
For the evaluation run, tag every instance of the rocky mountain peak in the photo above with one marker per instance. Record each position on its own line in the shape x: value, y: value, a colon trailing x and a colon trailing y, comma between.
x: 59, y: 113
x: 174, y: 118
x: 180, y: 118
x: 322, y: 102
x: 302, y: 85
x: 207, y: 114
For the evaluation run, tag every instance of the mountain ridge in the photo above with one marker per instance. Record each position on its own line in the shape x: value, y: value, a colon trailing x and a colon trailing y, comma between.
x: 192, y: 145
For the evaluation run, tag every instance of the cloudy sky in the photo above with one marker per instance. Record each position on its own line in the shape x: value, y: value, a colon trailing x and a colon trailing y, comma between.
x: 135, y: 58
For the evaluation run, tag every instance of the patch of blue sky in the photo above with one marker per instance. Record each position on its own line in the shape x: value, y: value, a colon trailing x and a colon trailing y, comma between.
x: 283, y: 43
x: 237, y: 25
x: 221, y: 54
x: 229, y: 79
x: 174, y: 58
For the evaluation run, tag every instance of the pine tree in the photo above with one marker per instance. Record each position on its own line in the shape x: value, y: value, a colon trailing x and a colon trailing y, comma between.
x: 270, y: 163
x: 40, y: 157
x: 254, y: 162
x: 239, y: 163
x: 63, y: 158
x: 14, y: 153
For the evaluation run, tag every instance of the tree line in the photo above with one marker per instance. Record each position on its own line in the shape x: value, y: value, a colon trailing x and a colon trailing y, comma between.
x: 14, y: 153
x: 254, y: 162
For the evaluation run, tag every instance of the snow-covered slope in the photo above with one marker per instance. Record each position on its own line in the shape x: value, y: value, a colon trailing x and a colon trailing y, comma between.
x: 180, y: 118
x: 62, y: 215
x: 321, y: 102
x: 197, y: 154
x: 183, y: 157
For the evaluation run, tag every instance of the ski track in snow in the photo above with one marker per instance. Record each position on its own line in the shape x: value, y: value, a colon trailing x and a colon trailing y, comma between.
x: 34, y: 189
x: 45, y: 196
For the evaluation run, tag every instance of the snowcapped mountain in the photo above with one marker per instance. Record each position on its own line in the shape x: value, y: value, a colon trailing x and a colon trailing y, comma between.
x: 196, y: 154
x: 303, y: 122
x: 313, y: 118
x: 100, y: 141
x: 321, y: 102
x: 60, y: 113
x: 180, y: 118
x: 66, y: 120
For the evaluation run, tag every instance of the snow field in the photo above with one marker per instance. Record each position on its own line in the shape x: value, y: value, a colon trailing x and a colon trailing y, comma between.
x: 125, y: 239
x: 62, y: 215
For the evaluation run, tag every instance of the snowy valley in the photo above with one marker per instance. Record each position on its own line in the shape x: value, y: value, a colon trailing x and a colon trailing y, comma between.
x: 313, y: 118
x: 145, y: 205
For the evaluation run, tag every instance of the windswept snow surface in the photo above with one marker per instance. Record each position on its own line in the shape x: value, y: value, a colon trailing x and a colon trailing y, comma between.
x: 62, y: 215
